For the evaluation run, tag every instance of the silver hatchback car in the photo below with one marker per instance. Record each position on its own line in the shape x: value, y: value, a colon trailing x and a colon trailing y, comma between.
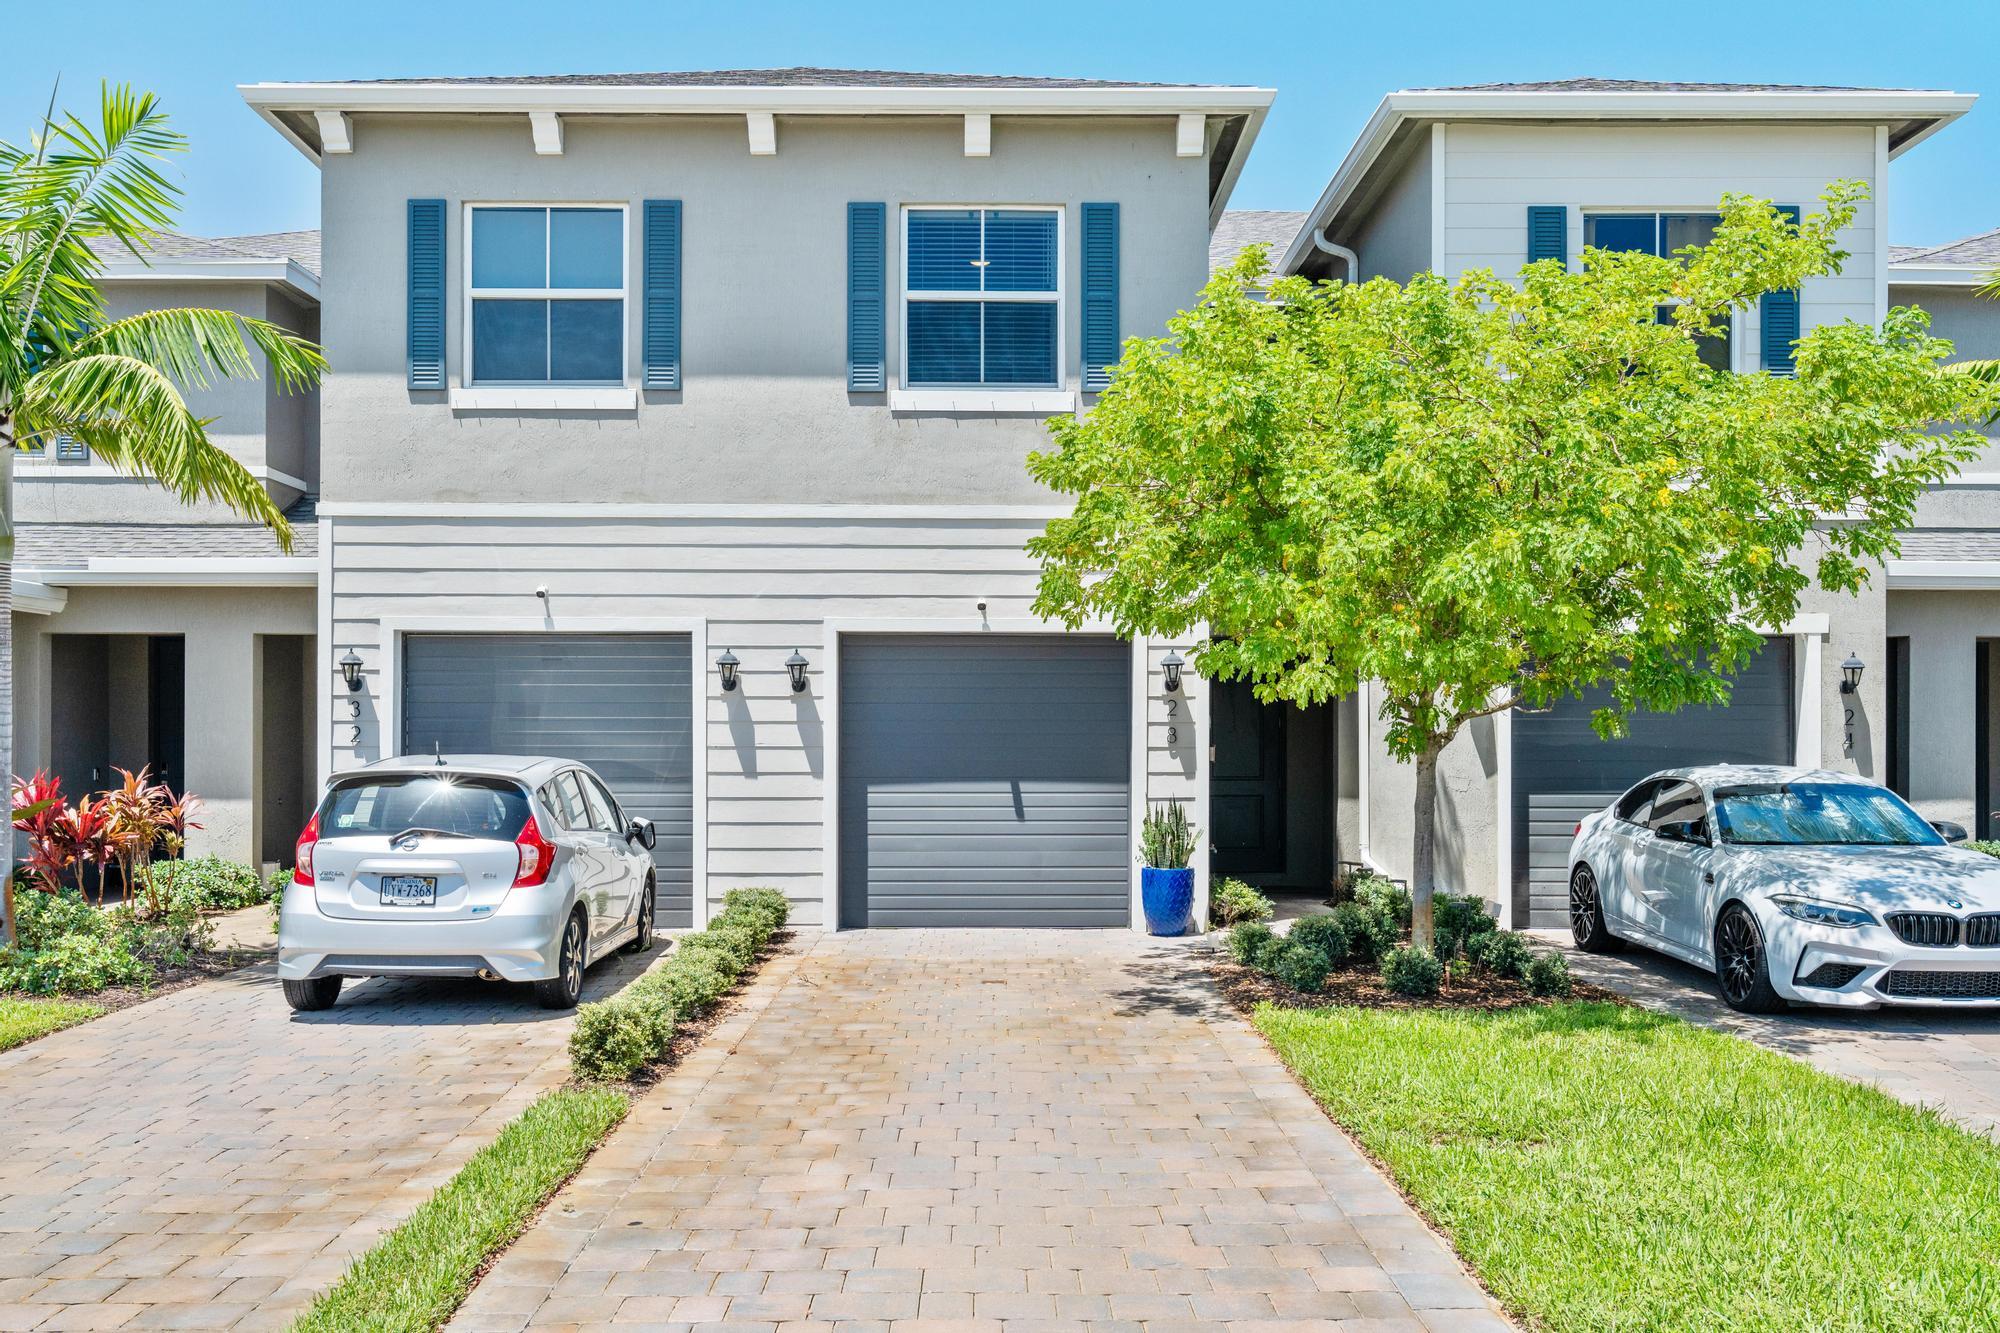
x: 495, y: 866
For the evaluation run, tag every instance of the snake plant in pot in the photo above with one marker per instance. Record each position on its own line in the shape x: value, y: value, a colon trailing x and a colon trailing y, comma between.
x: 1166, y: 881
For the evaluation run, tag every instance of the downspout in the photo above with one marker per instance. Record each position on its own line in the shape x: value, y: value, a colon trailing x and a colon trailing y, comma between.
x: 1338, y: 252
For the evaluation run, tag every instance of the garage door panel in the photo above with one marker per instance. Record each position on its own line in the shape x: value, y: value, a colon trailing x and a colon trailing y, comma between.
x: 621, y: 704
x: 985, y: 780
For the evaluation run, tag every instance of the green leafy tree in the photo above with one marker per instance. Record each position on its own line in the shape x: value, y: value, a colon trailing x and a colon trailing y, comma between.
x: 1986, y: 369
x: 1480, y: 495
x: 117, y: 385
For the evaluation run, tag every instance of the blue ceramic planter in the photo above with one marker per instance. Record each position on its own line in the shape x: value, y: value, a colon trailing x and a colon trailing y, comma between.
x: 1167, y: 896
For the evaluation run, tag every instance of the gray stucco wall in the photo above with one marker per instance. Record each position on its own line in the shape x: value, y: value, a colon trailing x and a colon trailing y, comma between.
x: 1396, y: 240
x: 765, y: 415
x: 1944, y: 629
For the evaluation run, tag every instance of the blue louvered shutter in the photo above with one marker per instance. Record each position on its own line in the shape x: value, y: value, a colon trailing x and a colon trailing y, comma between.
x: 1548, y: 232
x: 867, y: 272
x: 1778, y: 320
x: 426, y: 315
x: 662, y: 340
x: 1100, y: 295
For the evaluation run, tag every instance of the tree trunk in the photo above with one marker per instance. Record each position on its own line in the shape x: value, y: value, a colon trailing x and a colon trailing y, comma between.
x: 1423, y: 849
x: 7, y: 936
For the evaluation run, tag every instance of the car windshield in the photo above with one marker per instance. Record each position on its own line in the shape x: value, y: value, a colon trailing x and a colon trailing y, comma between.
x: 1818, y: 814
x: 451, y: 803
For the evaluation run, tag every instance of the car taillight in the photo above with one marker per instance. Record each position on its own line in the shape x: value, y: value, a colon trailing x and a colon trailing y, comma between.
x: 538, y: 855
x: 303, y: 857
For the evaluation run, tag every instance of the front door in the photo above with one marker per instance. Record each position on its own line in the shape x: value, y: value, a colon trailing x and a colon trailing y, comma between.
x: 1246, y: 790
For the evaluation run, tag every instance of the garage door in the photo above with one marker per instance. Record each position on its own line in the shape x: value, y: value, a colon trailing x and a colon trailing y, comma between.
x: 985, y: 780
x: 619, y: 703
x: 1562, y: 771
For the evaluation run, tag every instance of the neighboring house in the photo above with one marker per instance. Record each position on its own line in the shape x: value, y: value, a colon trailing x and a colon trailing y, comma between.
x: 641, y: 380
x: 152, y: 633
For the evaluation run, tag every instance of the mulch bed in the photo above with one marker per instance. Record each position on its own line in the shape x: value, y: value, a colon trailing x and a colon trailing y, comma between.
x: 1361, y: 987
x: 166, y: 980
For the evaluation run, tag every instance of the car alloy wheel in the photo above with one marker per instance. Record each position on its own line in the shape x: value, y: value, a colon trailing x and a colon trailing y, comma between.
x: 642, y: 939
x: 561, y: 990
x: 1740, y: 965
x: 1582, y: 904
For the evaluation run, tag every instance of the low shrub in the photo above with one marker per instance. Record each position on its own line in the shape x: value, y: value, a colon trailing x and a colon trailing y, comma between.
x: 1501, y: 952
x: 1548, y: 976
x: 1986, y: 845
x: 1247, y: 940
x: 279, y: 883
x: 1265, y: 959
x: 1384, y: 897
x: 208, y: 883
x: 1408, y: 970
x: 68, y: 947
x: 72, y: 964
x: 616, y: 1038
x: 1301, y: 966
x: 1460, y: 918
x: 1231, y: 901
x: 1369, y: 934
x: 1328, y: 934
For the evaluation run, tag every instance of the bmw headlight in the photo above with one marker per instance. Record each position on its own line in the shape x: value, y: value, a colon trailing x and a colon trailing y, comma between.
x: 1814, y: 912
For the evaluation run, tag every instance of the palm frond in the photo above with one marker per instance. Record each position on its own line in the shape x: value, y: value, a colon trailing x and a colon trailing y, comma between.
x: 195, y: 345
x: 132, y: 415
x: 1991, y: 287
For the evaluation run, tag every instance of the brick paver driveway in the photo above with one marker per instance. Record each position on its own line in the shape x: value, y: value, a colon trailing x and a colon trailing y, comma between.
x: 1930, y: 1057
x: 969, y: 1130
x: 210, y: 1160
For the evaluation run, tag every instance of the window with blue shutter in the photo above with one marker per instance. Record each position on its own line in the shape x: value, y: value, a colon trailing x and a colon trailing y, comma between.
x: 867, y: 277
x: 1100, y: 295
x: 1548, y: 232
x: 980, y: 297
x: 548, y: 295
x: 662, y: 318
x: 1778, y: 320
x: 426, y: 307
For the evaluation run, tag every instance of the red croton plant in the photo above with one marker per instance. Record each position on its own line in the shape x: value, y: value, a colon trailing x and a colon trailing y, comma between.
x: 128, y: 826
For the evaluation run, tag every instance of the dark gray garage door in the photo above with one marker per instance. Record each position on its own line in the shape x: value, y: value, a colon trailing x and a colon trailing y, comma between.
x: 1562, y: 771
x: 619, y: 703
x: 985, y: 780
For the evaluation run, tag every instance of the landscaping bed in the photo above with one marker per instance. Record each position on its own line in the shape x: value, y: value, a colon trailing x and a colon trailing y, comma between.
x: 1361, y: 986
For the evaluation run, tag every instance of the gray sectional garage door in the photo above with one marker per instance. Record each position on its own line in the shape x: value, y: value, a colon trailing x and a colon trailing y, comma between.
x: 985, y: 780
x: 619, y: 703
x: 1562, y: 771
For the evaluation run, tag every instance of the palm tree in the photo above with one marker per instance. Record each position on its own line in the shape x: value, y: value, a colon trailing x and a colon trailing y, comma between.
x: 66, y: 369
x: 1988, y: 370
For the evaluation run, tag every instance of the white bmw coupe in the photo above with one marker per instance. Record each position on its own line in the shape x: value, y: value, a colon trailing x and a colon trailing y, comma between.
x: 1791, y: 885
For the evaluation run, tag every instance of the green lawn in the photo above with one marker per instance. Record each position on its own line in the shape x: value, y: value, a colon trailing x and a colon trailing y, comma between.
x: 1608, y: 1168
x: 25, y: 1019
x: 414, y: 1277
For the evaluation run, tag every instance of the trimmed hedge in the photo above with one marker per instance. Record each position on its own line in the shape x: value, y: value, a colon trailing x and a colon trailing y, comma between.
x: 616, y: 1038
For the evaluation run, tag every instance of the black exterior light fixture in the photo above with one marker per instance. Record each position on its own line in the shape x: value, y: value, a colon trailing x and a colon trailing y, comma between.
x: 797, y: 664
x: 725, y: 667
x: 1171, y: 665
x: 1850, y: 674
x: 350, y: 670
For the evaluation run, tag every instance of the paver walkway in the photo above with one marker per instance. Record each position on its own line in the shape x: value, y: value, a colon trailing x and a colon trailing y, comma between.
x: 209, y: 1159
x: 1928, y: 1057
x: 978, y: 1130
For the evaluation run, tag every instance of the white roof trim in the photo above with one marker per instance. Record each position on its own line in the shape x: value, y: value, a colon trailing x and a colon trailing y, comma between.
x: 37, y: 598
x: 1941, y: 108
x: 283, y: 272
x: 1919, y: 274
x: 272, y: 571
x: 1943, y: 575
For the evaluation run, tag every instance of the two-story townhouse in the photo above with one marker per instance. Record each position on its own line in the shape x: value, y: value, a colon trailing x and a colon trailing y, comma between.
x: 152, y: 633
x: 1452, y: 179
x: 678, y: 425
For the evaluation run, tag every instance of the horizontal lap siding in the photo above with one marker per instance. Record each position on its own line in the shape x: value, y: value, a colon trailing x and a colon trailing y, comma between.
x: 764, y: 587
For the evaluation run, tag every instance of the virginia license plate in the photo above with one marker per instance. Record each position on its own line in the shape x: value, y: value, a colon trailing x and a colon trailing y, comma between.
x: 409, y: 890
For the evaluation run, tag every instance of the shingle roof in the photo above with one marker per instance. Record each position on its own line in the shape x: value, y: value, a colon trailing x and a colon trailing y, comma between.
x: 1590, y: 85
x: 301, y: 247
x: 797, y: 76
x: 73, y: 545
x: 1981, y: 251
x: 1242, y: 227
x: 1950, y: 544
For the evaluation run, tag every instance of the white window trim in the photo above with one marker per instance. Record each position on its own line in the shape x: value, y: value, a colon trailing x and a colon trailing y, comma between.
x: 1738, y: 327
x: 466, y: 393
x: 1035, y: 399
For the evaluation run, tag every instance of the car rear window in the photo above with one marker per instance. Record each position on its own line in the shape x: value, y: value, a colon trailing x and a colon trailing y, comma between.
x: 475, y: 807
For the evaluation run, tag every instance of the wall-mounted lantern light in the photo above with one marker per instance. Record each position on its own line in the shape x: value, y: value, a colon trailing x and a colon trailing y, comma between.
x: 797, y: 664
x: 350, y: 670
x: 1850, y: 674
x: 1171, y: 665
x: 725, y: 667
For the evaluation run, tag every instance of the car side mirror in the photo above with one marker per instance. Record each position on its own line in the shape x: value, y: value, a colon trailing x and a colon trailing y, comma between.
x: 1689, y: 830
x: 1949, y: 830
x: 641, y: 832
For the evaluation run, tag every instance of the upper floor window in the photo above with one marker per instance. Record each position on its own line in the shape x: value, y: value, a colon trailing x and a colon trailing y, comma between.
x: 547, y: 295
x: 1661, y: 234
x: 983, y: 295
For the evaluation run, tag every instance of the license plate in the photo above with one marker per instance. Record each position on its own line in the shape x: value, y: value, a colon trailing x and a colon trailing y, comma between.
x: 409, y: 890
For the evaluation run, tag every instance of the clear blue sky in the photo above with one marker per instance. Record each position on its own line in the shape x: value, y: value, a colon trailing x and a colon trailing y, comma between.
x: 1330, y: 62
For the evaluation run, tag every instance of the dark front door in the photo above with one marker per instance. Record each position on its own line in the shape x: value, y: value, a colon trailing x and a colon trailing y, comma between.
x: 1246, y: 782
x: 166, y: 703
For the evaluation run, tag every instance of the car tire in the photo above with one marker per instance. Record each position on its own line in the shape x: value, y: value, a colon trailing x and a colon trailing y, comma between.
x: 309, y: 997
x: 1586, y: 914
x: 642, y: 939
x: 1742, y: 968
x: 561, y: 990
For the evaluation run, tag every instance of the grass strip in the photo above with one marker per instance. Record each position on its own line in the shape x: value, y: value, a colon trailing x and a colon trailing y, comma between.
x: 1603, y: 1167
x: 415, y: 1276
x: 25, y: 1019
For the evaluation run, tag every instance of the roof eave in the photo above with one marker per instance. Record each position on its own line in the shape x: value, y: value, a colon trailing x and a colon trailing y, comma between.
x: 288, y: 273
x: 1938, y: 275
